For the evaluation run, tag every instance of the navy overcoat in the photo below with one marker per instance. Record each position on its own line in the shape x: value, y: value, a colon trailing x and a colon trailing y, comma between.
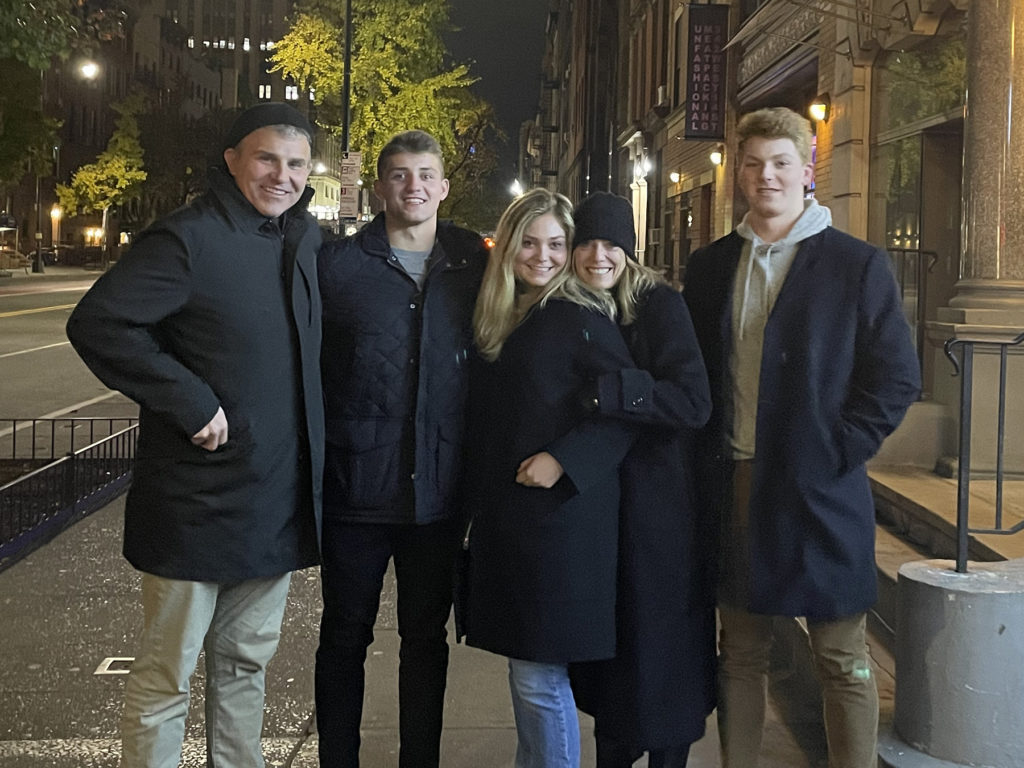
x: 660, y: 687
x: 541, y: 582
x: 838, y: 372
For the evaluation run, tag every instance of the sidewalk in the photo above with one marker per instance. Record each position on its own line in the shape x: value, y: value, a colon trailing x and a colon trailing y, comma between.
x: 54, y: 272
x: 73, y: 604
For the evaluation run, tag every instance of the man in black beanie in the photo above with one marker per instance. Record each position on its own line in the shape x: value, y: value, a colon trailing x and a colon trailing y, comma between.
x: 212, y: 321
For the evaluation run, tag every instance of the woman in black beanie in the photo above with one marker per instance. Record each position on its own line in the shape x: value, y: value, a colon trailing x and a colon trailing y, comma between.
x: 657, y: 692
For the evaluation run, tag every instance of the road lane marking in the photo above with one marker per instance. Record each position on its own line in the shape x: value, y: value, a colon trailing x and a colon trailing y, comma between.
x: 34, y: 349
x: 37, y: 310
x: 62, y: 412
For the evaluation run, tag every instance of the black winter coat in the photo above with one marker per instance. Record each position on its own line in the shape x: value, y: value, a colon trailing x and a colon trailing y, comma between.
x: 838, y: 372
x: 660, y: 687
x: 214, y: 306
x: 395, y: 368
x: 541, y: 583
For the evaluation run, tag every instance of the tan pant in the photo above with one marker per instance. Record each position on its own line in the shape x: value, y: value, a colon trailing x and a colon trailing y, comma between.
x: 840, y: 655
x: 842, y: 666
x: 238, y: 625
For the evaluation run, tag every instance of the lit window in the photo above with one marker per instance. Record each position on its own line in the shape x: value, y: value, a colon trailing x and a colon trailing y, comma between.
x: 291, y: 92
x: 231, y: 44
x: 265, y: 92
x: 191, y: 42
x: 245, y: 44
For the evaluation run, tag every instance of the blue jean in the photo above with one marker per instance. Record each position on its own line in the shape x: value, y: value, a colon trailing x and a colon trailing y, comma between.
x: 545, y: 711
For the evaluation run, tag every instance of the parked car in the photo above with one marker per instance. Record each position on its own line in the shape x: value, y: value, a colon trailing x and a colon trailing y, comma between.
x: 57, y: 254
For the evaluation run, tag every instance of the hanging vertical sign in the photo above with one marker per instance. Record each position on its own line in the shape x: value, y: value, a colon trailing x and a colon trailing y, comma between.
x: 705, y: 78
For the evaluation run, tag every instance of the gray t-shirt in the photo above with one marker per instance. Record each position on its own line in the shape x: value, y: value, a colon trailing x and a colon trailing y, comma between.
x: 414, y: 263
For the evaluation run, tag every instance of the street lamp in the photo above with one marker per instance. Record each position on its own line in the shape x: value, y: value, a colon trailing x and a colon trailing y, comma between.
x: 55, y: 214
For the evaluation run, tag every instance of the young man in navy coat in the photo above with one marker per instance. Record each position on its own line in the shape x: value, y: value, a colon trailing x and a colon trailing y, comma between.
x: 811, y: 366
x: 398, y: 306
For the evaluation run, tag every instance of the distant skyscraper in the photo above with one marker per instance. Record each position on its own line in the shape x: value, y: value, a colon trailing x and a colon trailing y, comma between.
x: 238, y: 36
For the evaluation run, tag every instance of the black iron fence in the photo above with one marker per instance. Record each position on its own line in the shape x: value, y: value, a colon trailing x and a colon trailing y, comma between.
x: 964, y: 365
x: 49, y: 439
x: 38, y: 505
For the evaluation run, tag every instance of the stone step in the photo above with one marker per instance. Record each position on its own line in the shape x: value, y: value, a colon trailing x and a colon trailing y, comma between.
x: 916, y: 512
x: 891, y: 552
x: 920, y: 507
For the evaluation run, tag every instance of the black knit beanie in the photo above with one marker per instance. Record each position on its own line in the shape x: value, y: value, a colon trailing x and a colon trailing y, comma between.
x: 262, y: 115
x: 604, y: 216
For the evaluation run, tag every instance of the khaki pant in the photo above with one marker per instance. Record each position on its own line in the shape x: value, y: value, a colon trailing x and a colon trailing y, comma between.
x: 840, y: 654
x: 238, y: 625
x: 842, y: 665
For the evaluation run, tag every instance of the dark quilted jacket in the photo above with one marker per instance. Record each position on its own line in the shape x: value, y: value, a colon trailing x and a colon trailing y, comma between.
x: 394, y: 375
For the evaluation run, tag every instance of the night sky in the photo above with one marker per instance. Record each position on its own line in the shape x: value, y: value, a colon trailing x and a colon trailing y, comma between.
x: 503, y: 40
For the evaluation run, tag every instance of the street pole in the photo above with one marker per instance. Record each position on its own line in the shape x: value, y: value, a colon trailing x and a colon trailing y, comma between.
x: 347, y: 90
x: 37, y: 264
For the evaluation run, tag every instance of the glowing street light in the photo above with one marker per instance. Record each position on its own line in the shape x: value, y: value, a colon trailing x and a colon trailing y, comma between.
x: 55, y: 214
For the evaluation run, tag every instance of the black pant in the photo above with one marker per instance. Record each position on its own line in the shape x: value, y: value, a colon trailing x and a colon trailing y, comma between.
x: 355, y: 558
x: 615, y: 754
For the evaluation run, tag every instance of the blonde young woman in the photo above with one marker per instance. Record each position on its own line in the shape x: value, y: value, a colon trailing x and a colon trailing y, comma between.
x: 656, y: 693
x: 542, y: 475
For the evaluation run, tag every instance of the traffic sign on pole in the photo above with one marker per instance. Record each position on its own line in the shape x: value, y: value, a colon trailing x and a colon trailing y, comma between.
x: 348, y: 207
x: 350, y: 164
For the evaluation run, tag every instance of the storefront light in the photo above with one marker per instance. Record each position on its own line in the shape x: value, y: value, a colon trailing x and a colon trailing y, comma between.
x: 820, y: 108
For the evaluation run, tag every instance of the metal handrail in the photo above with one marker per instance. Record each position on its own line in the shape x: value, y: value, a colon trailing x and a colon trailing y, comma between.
x: 37, y: 506
x: 915, y: 258
x: 965, y: 368
x: 42, y: 442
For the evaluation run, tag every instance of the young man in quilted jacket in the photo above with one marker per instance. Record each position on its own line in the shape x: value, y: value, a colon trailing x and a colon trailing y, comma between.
x: 398, y: 303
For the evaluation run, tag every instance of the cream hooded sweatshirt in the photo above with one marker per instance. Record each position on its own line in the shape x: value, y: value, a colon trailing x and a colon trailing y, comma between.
x: 761, y: 271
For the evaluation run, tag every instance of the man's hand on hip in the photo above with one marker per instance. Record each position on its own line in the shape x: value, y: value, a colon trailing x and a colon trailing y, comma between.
x: 213, y: 435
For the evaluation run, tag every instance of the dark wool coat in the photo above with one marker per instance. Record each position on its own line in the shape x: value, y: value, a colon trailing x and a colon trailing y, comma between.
x: 395, y: 369
x: 838, y: 373
x: 216, y: 305
x: 541, y: 584
x: 660, y: 687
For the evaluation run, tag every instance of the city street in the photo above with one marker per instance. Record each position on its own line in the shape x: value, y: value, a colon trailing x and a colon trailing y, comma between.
x: 40, y: 374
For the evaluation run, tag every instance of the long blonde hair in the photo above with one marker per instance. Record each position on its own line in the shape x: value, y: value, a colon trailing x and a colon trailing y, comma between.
x: 497, y: 312
x: 634, y: 283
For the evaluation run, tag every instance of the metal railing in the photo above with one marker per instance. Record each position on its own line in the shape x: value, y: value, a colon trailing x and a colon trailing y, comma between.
x: 964, y: 366
x: 37, y: 506
x: 49, y: 439
x: 912, y: 267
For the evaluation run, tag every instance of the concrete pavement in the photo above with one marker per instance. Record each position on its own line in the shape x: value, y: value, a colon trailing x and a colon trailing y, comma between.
x: 70, y: 612
x: 17, y: 279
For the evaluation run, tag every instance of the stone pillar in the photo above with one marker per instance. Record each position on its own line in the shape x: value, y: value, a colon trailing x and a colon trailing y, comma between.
x: 960, y: 682
x: 989, y: 300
